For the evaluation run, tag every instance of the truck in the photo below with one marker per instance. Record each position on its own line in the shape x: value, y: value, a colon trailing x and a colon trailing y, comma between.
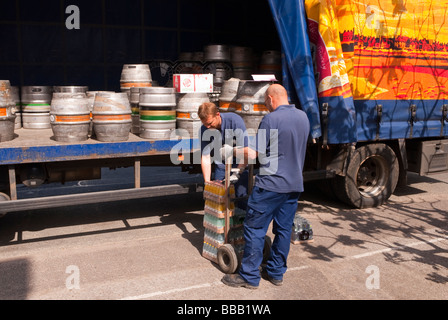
x: 371, y: 76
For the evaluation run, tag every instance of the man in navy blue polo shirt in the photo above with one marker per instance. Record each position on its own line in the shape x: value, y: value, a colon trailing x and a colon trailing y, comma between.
x: 219, y: 129
x: 280, y: 146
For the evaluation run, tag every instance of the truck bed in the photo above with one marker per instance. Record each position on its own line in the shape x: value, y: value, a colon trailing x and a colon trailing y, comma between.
x: 36, y: 146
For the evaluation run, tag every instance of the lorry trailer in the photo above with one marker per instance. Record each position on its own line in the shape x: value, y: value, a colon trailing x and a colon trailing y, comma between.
x: 372, y: 77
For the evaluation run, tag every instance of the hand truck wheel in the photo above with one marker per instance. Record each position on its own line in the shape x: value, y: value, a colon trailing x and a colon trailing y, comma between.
x: 227, y: 258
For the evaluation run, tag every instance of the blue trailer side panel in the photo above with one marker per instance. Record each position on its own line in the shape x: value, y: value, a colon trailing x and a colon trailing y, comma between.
x: 290, y: 20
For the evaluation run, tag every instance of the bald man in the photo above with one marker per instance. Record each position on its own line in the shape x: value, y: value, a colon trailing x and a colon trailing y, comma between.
x: 280, y: 146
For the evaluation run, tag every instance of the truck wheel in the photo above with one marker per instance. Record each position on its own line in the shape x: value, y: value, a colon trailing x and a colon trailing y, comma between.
x: 371, y: 178
x: 227, y: 258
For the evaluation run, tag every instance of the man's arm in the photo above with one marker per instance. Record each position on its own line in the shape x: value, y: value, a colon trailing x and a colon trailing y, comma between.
x: 206, y: 167
x: 245, y: 155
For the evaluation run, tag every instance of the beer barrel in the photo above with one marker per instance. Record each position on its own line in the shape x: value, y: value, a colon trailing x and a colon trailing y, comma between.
x: 7, y: 112
x: 72, y: 89
x: 242, y: 62
x: 216, y: 52
x: 187, y: 112
x: 271, y: 63
x: 157, y: 98
x: 36, y: 104
x: 157, y: 124
x: 91, y: 100
x: 251, y: 102
x: 135, y: 75
x: 157, y: 112
x: 112, y: 116
x: 217, y: 62
x: 227, y: 98
x: 70, y: 116
x: 36, y: 98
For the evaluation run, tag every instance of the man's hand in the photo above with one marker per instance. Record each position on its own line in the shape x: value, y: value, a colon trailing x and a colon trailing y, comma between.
x: 235, y: 175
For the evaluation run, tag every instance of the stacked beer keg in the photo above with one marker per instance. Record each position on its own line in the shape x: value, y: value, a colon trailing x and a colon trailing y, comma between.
x: 157, y: 112
x: 251, y: 102
x: 111, y: 116
x: 217, y: 62
x: 70, y: 114
x: 271, y: 63
x: 242, y: 62
x: 187, y: 113
x: 135, y: 76
x: 36, y: 103
x: 228, y: 96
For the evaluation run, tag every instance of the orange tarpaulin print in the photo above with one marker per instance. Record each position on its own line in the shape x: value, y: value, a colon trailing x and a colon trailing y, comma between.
x: 381, y: 50
x: 327, y: 21
x: 401, y: 49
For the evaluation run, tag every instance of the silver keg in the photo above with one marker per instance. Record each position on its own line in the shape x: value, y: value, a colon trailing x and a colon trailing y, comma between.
x: 91, y: 100
x: 71, y: 89
x: 36, y: 103
x: 216, y: 52
x: 70, y: 116
x: 135, y: 75
x: 228, y: 96
x: 157, y: 112
x: 242, y: 62
x: 251, y: 102
x: 112, y: 119
x: 187, y: 113
x: 36, y: 98
x: 271, y: 63
x: 7, y: 112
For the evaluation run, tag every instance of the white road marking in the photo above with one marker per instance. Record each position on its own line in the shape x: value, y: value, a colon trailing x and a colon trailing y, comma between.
x: 218, y: 283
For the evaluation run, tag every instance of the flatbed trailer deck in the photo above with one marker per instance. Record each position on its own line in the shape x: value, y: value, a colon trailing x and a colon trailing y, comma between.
x: 39, y: 148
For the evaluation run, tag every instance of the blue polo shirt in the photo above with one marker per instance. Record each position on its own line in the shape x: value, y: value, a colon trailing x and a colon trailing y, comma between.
x: 233, y: 132
x: 281, y: 145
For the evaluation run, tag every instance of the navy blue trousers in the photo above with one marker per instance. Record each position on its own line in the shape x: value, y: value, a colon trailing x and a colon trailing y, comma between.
x: 263, y: 207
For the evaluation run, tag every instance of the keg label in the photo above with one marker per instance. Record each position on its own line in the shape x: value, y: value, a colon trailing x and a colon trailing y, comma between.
x: 183, y: 115
x: 3, y: 112
x: 136, y: 85
x: 74, y: 118
x: 111, y: 117
x: 260, y: 108
x: 157, y: 118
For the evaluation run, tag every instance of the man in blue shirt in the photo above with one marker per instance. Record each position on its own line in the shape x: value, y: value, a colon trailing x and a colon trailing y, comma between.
x: 280, y: 145
x: 219, y: 129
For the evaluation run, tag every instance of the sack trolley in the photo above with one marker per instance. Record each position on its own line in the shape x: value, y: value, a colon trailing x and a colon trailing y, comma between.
x: 223, y: 224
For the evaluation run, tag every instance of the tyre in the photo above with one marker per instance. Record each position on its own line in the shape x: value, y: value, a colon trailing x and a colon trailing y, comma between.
x: 372, y: 175
x: 227, y: 258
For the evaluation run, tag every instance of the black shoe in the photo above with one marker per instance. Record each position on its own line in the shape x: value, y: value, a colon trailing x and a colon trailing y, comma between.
x: 235, y: 280
x: 265, y: 276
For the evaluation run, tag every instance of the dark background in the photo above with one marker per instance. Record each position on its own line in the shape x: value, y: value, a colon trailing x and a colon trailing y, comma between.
x: 38, y: 49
